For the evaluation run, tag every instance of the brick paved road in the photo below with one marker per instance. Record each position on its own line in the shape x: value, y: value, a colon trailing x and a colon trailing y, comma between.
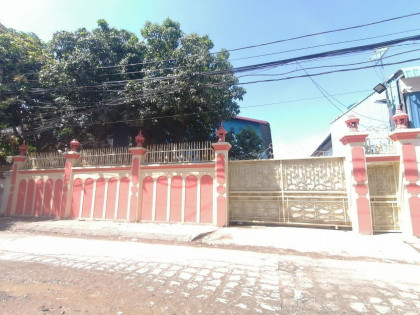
x: 194, y: 280
x: 245, y: 281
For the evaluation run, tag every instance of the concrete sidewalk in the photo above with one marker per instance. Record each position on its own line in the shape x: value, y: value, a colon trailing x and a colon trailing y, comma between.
x: 107, y: 229
x: 325, y: 242
x: 305, y: 240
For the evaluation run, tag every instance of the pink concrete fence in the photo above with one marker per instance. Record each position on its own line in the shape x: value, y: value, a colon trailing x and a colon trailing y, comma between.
x: 407, y: 142
x: 187, y: 192
x: 194, y: 192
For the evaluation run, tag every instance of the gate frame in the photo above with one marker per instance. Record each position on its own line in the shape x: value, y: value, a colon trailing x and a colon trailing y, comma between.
x: 357, y: 181
x: 392, y: 160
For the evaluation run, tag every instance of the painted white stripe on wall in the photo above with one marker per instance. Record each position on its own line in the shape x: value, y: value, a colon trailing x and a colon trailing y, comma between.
x: 54, y: 182
x: 24, y: 196
x: 117, y: 197
x: 154, y: 199
x: 168, y: 199
x: 105, y: 198
x: 183, y: 199
x: 33, y: 198
x: 198, y: 199
x: 82, y: 196
x: 93, y: 198
x: 129, y: 195
x: 214, y: 200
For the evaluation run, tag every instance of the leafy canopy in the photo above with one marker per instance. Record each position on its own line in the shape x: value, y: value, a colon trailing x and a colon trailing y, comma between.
x: 246, y: 144
x: 192, y: 86
x: 107, y: 83
x: 21, y: 57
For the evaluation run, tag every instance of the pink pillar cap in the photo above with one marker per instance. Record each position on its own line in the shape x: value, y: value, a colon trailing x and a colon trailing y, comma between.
x: 352, y: 123
x: 400, y: 119
x: 221, y: 133
x: 140, y: 139
x: 23, y: 149
x: 74, y: 145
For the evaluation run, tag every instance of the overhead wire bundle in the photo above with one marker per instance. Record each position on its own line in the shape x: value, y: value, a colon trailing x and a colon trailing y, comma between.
x: 53, y: 115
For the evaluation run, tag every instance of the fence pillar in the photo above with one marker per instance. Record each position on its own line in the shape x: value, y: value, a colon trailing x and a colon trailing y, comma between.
x: 408, y: 147
x: 5, y: 193
x: 72, y: 159
x: 136, y: 184
x: 359, y: 200
x: 18, y: 162
x: 222, y: 155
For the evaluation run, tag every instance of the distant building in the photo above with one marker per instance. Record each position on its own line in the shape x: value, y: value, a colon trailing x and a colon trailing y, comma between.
x: 401, y: 90
x: 123, y: 134
x: 260, y: 126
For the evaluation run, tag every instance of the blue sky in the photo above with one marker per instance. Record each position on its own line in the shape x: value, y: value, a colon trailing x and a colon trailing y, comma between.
x: 297, y: 126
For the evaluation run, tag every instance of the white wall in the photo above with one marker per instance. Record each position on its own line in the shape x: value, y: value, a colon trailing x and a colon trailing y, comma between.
x: 374, y: 117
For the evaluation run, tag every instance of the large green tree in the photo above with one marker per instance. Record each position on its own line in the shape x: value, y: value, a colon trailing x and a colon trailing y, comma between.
x: 86, y: 79
x: 21, y: 57
x: 246, y: 145
x: 165, y: 85
x: 108, y: 83
x: 191, y: 87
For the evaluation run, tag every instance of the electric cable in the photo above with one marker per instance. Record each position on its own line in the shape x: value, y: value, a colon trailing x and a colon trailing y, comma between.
x: 277, y: 63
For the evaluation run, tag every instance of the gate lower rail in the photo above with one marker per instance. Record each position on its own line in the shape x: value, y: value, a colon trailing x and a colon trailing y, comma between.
x: 279, y: 207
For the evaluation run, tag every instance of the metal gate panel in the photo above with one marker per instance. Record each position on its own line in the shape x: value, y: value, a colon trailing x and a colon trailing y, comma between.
x: 322, y: 210
x: 383, y: 188
x: 305, y: 191
x: 256, y: 206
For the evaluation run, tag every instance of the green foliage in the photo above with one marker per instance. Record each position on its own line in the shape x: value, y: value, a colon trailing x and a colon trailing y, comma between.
x: 246, y: 145
x: 21, y: 58
x: 80, y: 76
x: 107, y: 83
x: 196, y: 103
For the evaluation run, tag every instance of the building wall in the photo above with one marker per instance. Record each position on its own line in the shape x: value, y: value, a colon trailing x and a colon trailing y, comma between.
x: 413, y: 109
x: 376, y: 110
x: 374, y: 119
x: 261, y: 127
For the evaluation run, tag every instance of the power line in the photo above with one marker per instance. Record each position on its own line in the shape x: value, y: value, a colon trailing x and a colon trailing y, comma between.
x: 327, y: 72
x: 328, y: 96
x: 169, y: 89
x: 275, y: 42
x: 256, y: 56
x: 323, y: 45
x: 115, y: 102
x: 281, y: 62
x: 45, y: 128
x: 338, y: 52
x: 303, y: 99
x: 258, y: 81
x: 257, y: 105
x: 319, y: 88
x: 327, y: 32
x: 328, y: 66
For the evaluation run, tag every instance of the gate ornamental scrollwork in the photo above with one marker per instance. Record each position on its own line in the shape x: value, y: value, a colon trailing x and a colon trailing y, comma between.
x: 309, y: 175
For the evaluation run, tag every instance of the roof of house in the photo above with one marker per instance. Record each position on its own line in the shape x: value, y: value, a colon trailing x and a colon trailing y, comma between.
x: 252, y: 120
x: 352, y: 107
x: 324, y: 142
x: 409, y: 72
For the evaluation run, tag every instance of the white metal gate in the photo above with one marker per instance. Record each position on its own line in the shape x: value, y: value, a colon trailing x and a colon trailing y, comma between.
x: 383, y: 188
x: 305, y: 191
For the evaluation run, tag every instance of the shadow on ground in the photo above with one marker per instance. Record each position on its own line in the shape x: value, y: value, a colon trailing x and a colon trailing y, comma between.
x: 8, y: 223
